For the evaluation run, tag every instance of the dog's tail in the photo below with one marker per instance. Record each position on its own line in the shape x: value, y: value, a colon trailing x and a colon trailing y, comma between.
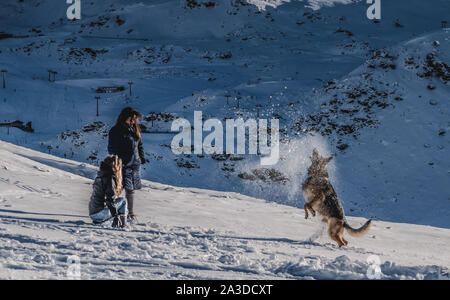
x: 358, y: 232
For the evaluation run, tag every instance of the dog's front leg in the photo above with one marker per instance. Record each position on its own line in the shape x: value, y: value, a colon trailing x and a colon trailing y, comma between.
x: 309, y: 205
x: 306, y: 210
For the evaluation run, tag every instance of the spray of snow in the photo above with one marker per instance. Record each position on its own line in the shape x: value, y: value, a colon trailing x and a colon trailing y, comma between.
x: 318, y: 4
x: 313, y: 4
x: 262, y: 4
x: 293, y: 164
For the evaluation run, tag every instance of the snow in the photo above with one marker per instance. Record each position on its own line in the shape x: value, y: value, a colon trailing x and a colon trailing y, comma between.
x: 337, y: 81
x: 186, y: 233
x: 183, y: 59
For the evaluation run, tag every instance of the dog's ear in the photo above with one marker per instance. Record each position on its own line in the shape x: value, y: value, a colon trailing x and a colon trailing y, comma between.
x: 315, y: 154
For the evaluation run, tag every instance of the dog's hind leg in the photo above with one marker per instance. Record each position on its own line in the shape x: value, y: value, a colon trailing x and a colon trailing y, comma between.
x: 337, y: 240
x: 334, y: 228
x: 344, y: 241
x: 340, y: 234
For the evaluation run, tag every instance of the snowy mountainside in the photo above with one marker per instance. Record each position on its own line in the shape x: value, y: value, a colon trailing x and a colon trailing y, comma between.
x: 186, y: 233
x: 368, y: 93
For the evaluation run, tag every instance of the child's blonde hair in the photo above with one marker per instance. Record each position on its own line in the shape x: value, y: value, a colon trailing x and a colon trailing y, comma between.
x: 113, y: 164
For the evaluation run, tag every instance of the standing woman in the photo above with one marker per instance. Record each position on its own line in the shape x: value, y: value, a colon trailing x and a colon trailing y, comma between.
x: 125, y: 141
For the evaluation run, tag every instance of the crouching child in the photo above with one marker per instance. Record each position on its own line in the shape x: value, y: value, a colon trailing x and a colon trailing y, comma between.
x: 105, y: 203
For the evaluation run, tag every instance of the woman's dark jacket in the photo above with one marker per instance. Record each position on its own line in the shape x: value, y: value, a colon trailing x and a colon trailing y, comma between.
x: 103, y: 193
x: 124, y: 143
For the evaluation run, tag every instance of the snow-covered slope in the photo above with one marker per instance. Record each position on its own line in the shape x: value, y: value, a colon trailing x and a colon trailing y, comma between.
x: 186, y: 233
x: 368, y: 93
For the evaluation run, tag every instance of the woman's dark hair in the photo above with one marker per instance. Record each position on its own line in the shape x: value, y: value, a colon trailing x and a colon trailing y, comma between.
x: 126, y: 113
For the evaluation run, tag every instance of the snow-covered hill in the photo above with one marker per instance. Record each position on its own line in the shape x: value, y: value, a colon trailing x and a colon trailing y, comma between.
x: 374, y: 94
x: 186, y: 233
